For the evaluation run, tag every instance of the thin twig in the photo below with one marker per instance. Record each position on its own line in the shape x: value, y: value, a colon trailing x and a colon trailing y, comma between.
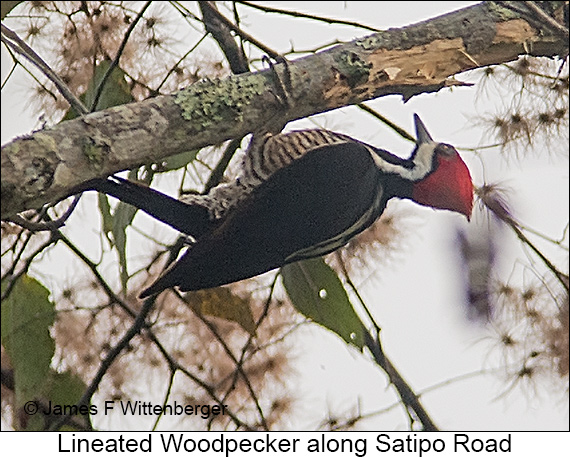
x: 243, y: 356
x: 218, y: 171
x: 115, y: 61
x: 49, y: 225
x: 93, y: 267
x: 408, y: 396
x: 174, y: 365
x: 563, y: 278
x: 247, y: 37
x: 11, y: 39
x: 230, y: 354
x: 13, y: 279
x: 546, y: 19
x: 175, y: 66
x: 399, y: 130
x: 14, y: 66
x: 19, y: 254
x: 340, y: 260
x: 462, y: 377
x: 111, y: 356
x: 166, y: 397
x: 327, y: 20
x: 545, y: 237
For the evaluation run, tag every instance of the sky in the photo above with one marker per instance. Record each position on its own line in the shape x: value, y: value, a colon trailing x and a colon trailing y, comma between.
x: 415, y: 295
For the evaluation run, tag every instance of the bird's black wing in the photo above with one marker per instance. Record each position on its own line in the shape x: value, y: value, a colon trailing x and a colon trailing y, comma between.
x: 306, y: 209
x: 190, y: 219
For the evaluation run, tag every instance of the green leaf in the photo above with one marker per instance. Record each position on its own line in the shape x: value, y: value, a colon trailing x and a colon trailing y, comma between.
x: 61, y: 389
x: 123, y: 217
x: 27, y: 315
x: 65, y: 388
x: 106, y: 216
x: 178, y: 161
x: 316, y: 292
x: 115, y: 92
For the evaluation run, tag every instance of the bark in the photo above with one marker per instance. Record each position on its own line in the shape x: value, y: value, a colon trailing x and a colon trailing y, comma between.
x: 47, y: 165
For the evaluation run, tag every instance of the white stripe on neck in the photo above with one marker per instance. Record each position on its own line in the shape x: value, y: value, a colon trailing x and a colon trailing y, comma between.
x: 422, y: 162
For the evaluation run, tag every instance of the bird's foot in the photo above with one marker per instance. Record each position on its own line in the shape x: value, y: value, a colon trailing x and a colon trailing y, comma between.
x: 283, y: 83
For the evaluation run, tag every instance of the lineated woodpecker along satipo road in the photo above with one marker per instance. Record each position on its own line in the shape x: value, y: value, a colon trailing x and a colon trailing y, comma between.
x: 298, y: 195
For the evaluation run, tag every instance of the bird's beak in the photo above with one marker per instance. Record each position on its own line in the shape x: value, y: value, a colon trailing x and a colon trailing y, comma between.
x: 422, y: 134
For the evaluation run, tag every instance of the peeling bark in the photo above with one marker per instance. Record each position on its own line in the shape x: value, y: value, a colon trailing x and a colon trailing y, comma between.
x: 47, y: 165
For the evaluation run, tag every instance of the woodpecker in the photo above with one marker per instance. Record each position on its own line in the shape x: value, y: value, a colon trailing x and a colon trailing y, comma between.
x: 298, y: 195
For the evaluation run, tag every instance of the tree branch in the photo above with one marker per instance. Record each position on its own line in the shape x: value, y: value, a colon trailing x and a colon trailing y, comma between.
x: 217, y: 25
x: 50, y: 164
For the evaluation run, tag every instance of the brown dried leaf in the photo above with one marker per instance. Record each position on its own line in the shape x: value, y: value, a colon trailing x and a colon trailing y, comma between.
x: 221, y: 302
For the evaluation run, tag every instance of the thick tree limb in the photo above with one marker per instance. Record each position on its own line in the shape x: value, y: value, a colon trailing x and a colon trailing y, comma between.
x: 47, y: 165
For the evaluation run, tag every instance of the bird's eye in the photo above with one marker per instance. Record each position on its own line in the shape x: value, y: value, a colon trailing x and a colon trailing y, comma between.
x: 445, y: 150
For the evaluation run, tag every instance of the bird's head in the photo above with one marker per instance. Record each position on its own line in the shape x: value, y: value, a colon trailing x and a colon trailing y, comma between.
x: 442, y: 179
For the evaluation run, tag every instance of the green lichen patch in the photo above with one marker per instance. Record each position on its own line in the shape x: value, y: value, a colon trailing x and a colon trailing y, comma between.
x: 94, y: 152
x: 210, y: 102
x: 501, y: 12
x: 355, y: 69
x: 371, y: 42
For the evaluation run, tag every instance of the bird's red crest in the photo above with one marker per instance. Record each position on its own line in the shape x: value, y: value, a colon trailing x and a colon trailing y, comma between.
x: 449, y: 186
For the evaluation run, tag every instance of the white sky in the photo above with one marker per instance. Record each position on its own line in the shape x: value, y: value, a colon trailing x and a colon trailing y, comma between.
x: 414, y: 296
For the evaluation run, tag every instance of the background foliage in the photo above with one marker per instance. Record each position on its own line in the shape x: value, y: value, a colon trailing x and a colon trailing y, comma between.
x: 78, y: 334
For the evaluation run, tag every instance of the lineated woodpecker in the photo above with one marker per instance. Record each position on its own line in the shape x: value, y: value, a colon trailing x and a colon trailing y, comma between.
x: 298, y: 195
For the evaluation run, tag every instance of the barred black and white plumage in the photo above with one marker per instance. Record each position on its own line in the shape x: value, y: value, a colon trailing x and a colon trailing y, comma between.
x: 266, y: 154
x: 297, y: 195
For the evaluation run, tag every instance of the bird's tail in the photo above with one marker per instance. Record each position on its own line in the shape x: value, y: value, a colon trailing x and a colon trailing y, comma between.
x: 190, y: 219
